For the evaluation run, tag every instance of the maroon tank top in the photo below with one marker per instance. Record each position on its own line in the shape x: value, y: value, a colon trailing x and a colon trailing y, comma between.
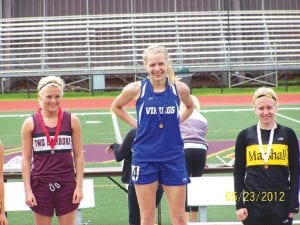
x: 52, y: 165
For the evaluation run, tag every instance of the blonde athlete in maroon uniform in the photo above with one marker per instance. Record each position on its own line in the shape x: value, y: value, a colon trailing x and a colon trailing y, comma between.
x: 3, y: 220
x: 51, y: 147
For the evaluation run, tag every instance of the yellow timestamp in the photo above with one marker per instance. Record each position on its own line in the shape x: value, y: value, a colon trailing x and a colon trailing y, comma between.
x: 255, y: 196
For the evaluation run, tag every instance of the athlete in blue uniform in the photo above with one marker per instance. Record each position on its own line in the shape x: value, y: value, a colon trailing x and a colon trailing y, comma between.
x: 123, y: 152
x: 158, y: 155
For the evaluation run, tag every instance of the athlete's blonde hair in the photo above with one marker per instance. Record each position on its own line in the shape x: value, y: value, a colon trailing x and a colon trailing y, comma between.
x: 264, y: 92
x: 51, y: 81
x: 155, y: 49
x: 196, y: 102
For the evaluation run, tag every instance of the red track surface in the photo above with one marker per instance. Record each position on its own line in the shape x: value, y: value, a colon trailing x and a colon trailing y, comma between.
x: 99, y: 103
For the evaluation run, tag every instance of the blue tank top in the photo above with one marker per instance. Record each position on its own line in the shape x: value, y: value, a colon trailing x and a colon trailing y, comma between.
x: 152, y: 143
x: 46, y: 165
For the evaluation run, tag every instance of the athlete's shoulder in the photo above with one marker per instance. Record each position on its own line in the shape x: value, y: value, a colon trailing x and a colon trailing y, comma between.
x: 132, y: 89
x: 284, y: 129
x: 182, y: 87
x: 247, y: 131
x: 134, y: 85
x: 28, y: 124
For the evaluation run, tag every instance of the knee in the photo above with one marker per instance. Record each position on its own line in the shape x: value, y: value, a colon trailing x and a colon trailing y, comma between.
x: 180, y: 219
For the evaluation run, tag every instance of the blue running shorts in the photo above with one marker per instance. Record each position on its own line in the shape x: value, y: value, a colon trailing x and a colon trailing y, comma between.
x: 166, y: 173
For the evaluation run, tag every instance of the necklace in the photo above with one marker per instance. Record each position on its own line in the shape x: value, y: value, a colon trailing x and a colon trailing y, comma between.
x: 51, y: 141
x: 160, y: 117
x: 160, y: 111
x: 265, y: 155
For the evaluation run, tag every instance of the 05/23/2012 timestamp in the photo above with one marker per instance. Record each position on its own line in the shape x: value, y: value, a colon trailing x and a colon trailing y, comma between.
x: 261, y: 196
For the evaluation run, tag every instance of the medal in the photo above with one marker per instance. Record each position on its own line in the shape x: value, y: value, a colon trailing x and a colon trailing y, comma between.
x: 160, y: 110
x: 51, y: 141
x: 265, y: 155
x: 266, y: 166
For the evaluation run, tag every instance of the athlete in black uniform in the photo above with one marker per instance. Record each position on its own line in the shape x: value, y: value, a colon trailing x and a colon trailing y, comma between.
x: 266, y: 167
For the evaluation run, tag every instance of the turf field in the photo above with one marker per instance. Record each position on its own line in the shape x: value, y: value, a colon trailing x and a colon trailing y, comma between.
x: 99, y: 130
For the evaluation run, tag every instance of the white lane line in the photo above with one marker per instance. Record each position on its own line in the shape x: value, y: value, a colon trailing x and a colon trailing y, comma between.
x: 288, y: 118
x: 116, y: 128
x: 133, y: 112
x: 93, y: 122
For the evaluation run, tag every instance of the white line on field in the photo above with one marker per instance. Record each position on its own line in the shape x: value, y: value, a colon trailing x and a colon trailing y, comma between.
x: 116, y: 128
x: 288, y: 118
x: 133, y: 112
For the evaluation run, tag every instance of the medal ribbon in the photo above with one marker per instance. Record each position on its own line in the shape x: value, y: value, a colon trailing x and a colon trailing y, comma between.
x: 160, y: 116
x: 51, y: 141
x: 266, y: 155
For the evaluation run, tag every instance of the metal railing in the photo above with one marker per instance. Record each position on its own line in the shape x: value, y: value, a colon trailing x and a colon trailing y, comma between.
x: 113, y: 44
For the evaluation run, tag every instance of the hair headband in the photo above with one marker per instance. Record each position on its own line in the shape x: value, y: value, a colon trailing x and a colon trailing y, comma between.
x: 49, y: 82
x: 269, y: 96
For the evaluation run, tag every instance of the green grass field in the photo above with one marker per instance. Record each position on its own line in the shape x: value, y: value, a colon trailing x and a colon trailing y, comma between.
x: 111, y: 203
x: 294, y: 88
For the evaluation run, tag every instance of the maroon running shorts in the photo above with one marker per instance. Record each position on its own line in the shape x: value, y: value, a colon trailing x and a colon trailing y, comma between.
x: 52, y: 196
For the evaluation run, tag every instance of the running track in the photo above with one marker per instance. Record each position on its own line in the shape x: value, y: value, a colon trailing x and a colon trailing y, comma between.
x: 96, y: 152
x: 100, y: 103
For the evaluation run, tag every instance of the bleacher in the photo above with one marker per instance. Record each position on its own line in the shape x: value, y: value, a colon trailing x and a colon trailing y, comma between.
x: 225, y: 41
